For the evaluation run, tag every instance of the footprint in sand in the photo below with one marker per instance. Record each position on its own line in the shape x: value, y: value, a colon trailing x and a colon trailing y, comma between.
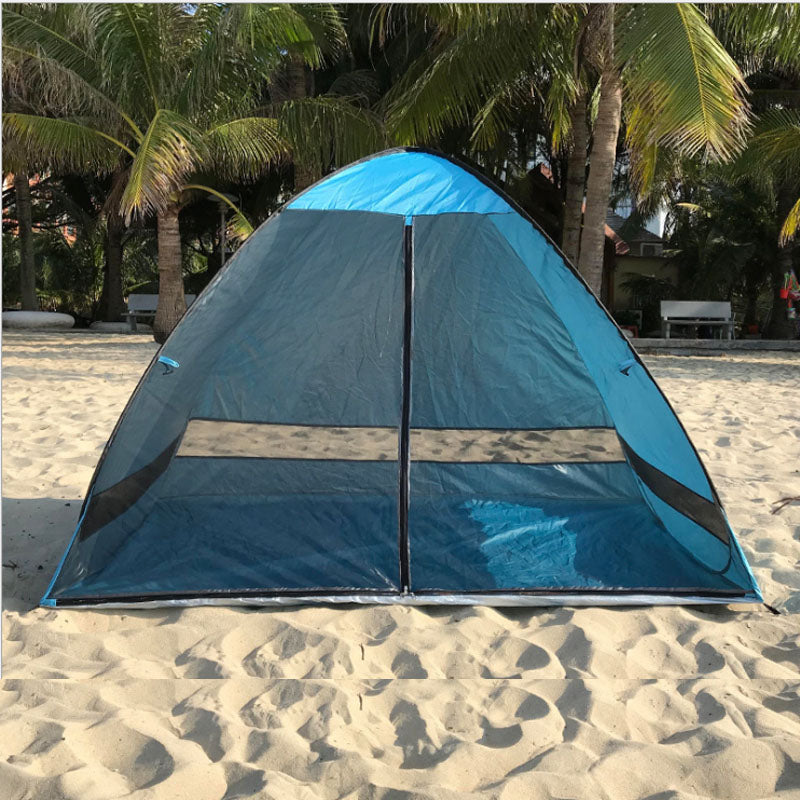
x: 408, y: 665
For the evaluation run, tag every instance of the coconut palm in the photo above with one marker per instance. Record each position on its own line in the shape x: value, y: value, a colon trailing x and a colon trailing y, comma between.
x: 17, y: 96
x: 766, y: 39
x: 169, y: 97
x: 660, y: 62
x: 774, y: 151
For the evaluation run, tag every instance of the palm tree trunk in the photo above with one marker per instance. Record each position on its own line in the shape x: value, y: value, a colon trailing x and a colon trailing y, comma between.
x: 751, y: 305
x: 171, y: 301
x: 27, y: 263
x: 112, y: 304
x: 576, y: 181
x: 296, y: 77
x: 780, y: 327
x: 602, y: 158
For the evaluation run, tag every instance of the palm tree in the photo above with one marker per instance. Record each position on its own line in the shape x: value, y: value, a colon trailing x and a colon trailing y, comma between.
x: 766, y: 39
x: 22, y: 195
x: 169, y: 98
x: 660, y: 64
x: 16, y: 95
x: 774, y: 150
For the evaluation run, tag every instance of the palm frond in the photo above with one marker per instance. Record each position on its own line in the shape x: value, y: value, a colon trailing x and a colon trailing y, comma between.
x: 775, y: 144
x: 57, y: 89
x: 327, y: 130
x: 243, y: 149
x: 326, y: 25
x: 693, y: 208
x: 238, y: 227
x: 218, y: 67
x: 144, y: 51
x: 497, y: 114
x: 25, y: 25
x: 61, y: 67
x: 307, y: 30
x: 561, y: 94
x: 171, y: 149
x: 493, y: 117
x: 69, y: 144
x: 762, y: 30
x: 361, y: 84
x: 791, y: 224
x: 451, y: 82
x: 772, y: 155
x: 683, y: 89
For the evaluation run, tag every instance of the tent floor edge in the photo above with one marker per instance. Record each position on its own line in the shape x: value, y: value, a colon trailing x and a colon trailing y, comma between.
x: 499, y: 598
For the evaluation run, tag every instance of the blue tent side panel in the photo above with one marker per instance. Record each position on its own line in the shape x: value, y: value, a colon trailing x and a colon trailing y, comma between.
x: 640, y: 411
x: 304, y: 329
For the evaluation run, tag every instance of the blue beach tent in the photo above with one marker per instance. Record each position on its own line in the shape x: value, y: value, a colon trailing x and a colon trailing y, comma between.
x: 399, y: 391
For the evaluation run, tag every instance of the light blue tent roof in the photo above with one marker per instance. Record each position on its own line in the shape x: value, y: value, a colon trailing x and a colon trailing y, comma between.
x: 405, y: 183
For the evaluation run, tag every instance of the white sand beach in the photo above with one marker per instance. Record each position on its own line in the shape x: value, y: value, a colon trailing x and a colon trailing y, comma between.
x: 391, y: 703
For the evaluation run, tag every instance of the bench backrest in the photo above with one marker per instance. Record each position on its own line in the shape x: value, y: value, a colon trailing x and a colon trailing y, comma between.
x: 695, y: 309
x: 147, y: 303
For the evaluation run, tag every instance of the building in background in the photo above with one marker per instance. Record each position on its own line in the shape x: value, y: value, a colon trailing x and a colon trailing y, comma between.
x: 637, y: 251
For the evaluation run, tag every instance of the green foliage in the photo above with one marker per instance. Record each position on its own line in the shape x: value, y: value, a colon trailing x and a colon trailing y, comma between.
x: 773, y: 157
x: 648, y: 291
x: 683, y: 91
x: 724, y: 238
x: 330, y: 130
x: 170, y: 104
x: 478, y: 55
x: 170, y: 92
x: 11, y: 274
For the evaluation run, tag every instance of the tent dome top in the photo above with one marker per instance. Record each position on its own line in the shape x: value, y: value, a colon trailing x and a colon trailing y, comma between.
x: 404, y: 182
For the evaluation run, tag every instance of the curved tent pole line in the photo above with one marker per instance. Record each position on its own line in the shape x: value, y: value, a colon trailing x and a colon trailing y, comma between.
x: 153, y: 361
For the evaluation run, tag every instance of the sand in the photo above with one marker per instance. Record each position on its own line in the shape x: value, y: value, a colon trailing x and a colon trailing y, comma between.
x: 395, y: 703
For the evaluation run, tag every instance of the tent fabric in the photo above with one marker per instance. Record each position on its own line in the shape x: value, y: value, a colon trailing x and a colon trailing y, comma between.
x: 410, y: 184
x: 399, y: 391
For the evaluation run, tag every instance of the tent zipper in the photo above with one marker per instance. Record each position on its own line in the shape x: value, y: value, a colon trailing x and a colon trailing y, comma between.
x: 405, y: 416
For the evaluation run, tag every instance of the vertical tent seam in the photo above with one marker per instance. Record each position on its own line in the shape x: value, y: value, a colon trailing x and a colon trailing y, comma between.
x: 405, y: 418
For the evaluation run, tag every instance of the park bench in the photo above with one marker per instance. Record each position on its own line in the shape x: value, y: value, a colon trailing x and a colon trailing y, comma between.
x: 145, y: 305
x: 697, y: 312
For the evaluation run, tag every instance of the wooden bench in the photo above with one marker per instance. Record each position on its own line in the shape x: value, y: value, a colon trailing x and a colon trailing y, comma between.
x: 145, y: 305
x: 697, y: 312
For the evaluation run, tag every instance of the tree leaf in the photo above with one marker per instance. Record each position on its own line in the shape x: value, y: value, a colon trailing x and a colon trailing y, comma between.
x: 682, y: 89
x: 69, y: 144
x: 172, y: 148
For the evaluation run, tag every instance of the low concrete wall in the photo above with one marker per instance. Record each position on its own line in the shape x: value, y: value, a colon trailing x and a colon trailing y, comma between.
x: 712, y: 347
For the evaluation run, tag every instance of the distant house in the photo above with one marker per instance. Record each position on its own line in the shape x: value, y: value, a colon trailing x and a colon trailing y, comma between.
x: 637, y: 251
x: 626, y: 249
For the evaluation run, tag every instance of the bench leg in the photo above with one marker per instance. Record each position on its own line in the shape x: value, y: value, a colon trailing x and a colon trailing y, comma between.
x: 132, y: 323
x: 666, y: 330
